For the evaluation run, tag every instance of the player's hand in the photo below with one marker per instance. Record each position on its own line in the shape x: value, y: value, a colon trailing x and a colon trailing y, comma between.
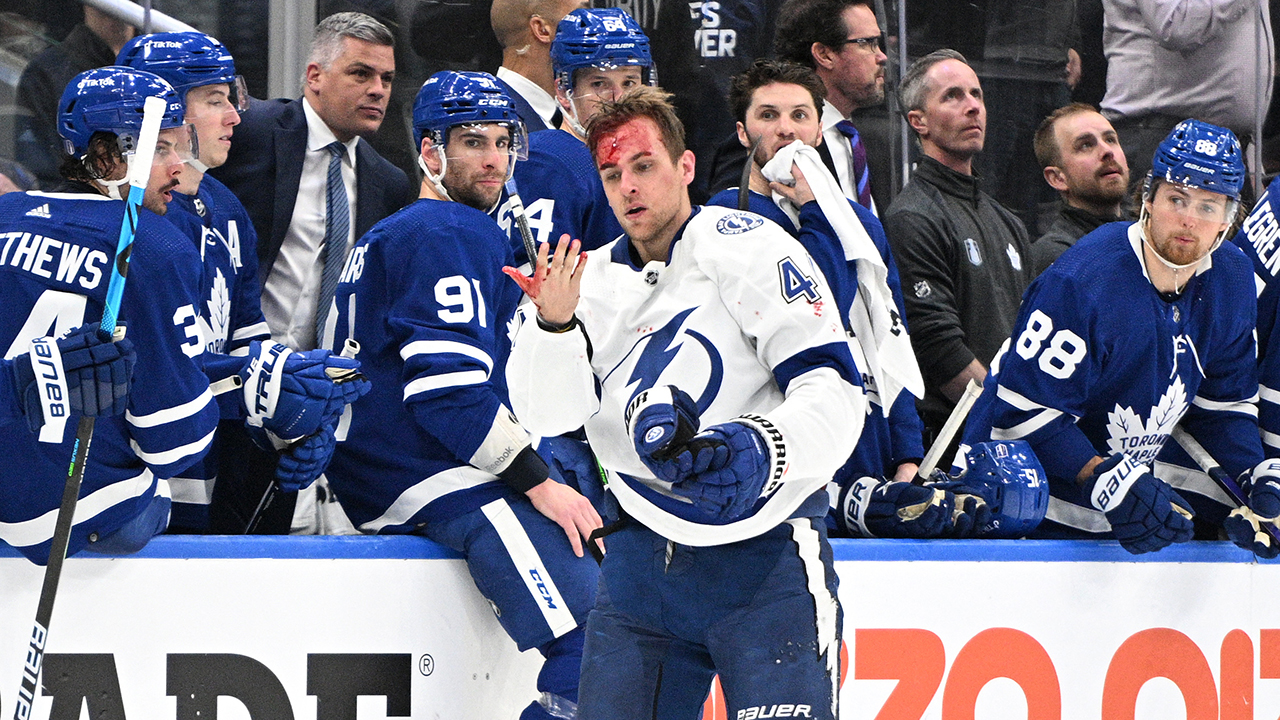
x: 568, y: 509
x: 728, y: 466
x: 292, y: 394
x: 1144, y: 512
x: 305, y: 461
x: 800, y: 193
x: 660, y: 421
x: 554, y: 285
x: 98, y: 374
x: 1248, y: 526
x: 890, y: 509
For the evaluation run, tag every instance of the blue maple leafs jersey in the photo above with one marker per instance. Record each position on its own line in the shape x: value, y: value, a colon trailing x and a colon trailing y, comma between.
x: 230, y: 316
x: 424, y: 294
x: 1259, y: 238
x: 562, y: 193
x: 741, y: 319
x: 885, y: 442
x: 1101, y: 363
x: 55, y: 255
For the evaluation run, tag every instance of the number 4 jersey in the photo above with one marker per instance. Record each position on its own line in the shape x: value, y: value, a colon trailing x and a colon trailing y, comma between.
x: 1100, y: 362
x: 55, y: 263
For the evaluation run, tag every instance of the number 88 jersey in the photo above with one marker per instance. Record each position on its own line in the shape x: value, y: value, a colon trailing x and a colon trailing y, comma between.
x: 1100, y: 362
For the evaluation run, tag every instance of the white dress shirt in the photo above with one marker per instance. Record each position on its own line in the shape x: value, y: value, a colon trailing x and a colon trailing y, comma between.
x: 290, y: 295
x: 543, y: 103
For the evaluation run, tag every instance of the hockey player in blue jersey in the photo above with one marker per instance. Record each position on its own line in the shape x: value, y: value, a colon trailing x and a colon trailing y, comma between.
x: 1135, y: 329
x: 777, y: 102
x: 713, y: 375
x: 232, y: 327
x: 434, y: 448
x: 55, y: 259
x: 595, y: 55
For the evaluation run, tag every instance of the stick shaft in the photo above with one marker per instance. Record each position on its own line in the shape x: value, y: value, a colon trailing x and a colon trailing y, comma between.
x: 949, y: 429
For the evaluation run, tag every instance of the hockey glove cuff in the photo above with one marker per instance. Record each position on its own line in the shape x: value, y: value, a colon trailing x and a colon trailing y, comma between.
x: 292, y: 393
x: 1262, y: 486
x: 1144, y: 512
x: 876, y: 507
x: 93, y: 375
x: 660, y: 421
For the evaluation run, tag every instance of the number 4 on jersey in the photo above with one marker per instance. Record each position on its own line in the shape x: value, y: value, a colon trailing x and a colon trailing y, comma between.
x: 795, y: 284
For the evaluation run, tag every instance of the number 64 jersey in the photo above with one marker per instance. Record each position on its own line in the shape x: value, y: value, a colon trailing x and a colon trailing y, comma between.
x: 1100, y: 362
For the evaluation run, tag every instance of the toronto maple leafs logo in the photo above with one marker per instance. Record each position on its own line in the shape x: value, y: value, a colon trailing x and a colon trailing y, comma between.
x: 218, y: 321
x: 1142, y: 441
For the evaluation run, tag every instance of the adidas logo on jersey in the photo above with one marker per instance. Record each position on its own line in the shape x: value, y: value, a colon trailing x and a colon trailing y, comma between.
x: 40, y: 212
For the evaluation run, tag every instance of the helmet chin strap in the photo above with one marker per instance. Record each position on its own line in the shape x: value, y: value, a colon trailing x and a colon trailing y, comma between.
x: 571, y: 117
x: 112, y: 187
x: 437, y: 181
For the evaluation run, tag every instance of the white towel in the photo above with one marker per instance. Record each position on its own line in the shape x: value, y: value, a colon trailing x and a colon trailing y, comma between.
x: 885, y: 343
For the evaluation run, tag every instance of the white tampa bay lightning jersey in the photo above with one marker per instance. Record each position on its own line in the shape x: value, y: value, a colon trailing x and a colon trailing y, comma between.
x: 561, y: 193
x: 741, y: 319
x: 1100, y: 362
x: 230, y: 317
x: 424, y: 294
x: 55, y: 255
x: 1259, y: 238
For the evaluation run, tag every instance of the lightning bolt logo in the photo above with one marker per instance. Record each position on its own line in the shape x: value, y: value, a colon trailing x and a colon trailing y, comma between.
x: 660, y: 348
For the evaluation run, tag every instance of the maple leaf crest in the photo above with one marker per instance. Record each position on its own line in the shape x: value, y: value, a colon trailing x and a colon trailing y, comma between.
x: 219, y: 313
x: 1142, y: 440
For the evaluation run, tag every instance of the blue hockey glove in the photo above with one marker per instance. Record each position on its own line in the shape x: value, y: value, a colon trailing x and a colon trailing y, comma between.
x: 97, y: 374
x: 727, y: 466
x: 305, y: 461
x: 661, y: 420
x: 292, y: 394
x: 1144, y: 512
x: 876, y: 507
x: 1246, y: 526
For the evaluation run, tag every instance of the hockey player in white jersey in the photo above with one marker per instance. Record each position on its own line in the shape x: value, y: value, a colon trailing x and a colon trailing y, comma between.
x: 708, y: 362
x: 55, y: 259
x: 232, y: 327
x: 1137, y: 328
x: 434, y: 449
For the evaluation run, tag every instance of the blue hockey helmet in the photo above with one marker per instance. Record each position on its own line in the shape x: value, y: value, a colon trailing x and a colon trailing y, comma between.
x: 1008, y: 475
x: 1203, y: 156
x: 110, y: 99
x: 604, y: 38
x: 449, y: 99
x: 185, y: 60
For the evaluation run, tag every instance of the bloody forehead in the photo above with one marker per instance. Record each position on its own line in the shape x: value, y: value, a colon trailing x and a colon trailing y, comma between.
x: 631, y: 139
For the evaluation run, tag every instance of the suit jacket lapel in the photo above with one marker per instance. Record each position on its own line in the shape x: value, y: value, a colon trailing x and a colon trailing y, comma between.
x: 291, y: 149
x: 369, y: 202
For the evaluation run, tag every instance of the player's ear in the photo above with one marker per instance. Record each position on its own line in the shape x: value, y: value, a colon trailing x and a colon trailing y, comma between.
x: 430, y: 155
x: 742, y: 136
x: 687, y: 161
x: 563, y: 98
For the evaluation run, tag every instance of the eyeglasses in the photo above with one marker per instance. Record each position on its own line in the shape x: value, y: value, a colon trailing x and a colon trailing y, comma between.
x: 866, y: 43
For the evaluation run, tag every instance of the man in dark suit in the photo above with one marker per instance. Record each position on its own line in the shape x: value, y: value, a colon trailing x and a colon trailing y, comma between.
x: 525, y: 29
x: 312, y: 186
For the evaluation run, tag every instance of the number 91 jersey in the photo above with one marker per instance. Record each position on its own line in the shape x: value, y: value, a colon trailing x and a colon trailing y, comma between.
x: 1100, y: 362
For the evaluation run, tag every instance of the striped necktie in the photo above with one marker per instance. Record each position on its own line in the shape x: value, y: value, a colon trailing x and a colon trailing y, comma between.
x: 337, y: 223
x: 859, y: 153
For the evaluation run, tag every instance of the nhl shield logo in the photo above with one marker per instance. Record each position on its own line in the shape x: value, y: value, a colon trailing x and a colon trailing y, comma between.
x: 738, y: 223
x: 922, y: 289
x: 971, y: 249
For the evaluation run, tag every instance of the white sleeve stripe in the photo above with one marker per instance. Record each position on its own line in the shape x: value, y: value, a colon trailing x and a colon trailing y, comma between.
x: 1076, y: 516
x: 441, y: 347
x: 174, y: 455
x: 172, y: 414
x: 1247, y: 407
x: 1045, y: 416
x: 1271, y: 439
x: 447, y: 380
x: 254, y: 330
x: 39, y: 529
x: 1269, y: 395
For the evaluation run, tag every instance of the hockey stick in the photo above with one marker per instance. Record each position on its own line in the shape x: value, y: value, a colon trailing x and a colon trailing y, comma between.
x: 744, y: 182
x: 1217, y: 474
x: 337, y: 375
x: 139, y: 173
x: 522, y: 222
x: 949, y: 430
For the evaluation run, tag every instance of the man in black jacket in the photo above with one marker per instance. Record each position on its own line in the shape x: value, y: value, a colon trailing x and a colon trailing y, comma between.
x: 1082, y: 159
x: 964, y: 259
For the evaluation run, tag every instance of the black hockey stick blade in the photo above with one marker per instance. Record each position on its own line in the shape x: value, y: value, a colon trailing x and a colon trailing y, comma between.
x: 744, y: 182
x: 1217, y: 474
